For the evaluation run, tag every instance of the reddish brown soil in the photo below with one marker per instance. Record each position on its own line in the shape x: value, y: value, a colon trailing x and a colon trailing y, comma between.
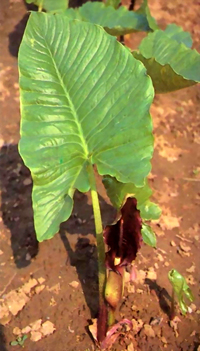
x: 71, y: 255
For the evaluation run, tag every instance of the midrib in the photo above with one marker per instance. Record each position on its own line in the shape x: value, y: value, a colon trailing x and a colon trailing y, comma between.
x: 80, y: 130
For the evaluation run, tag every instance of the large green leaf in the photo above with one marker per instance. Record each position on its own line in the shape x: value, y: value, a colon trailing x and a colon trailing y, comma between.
x: 50, y: 5
x: 180, y: 288
x: 170, y: 64
x: 144, y: 9
x: 115, y: 21
x: 113, y: 3
x: 118, y: 192
x: 175, y: 32
x: 84, y: 100
x: 148, y: 235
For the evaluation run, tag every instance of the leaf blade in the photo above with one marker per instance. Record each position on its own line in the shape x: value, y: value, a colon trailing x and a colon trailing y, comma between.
x: 180, y: 287
x: 59, y: 99
x: 167, y: 60
x: 148, y: 235
x: 115, y: 21
x: 50, y: 5
x: 118, y: 193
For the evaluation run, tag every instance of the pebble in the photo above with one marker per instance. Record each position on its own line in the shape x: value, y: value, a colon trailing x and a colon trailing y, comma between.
x: 74, y: 284
x: 137, y: 325
x: 139, y: 291
x: 26, y: 330
x: 130, y: 347
x: 131, y: 288
x: 151, y: 275
x: 184, y: 247
x: 38, y: 289
x: 156, y: 321
x: 27, y: 181
x: 148, y: 331
x: 191, y: 269
x: 172, y: 243
x: 160, y: 258
x: 41, y: 280
x: 17, y: 331
x: 164, y: 340
x: 36, y: 336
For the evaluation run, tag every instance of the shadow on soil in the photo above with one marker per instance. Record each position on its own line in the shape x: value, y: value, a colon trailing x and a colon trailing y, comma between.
x: 81, y: 251
x: 2, y: 339
x: 16, y: 205
x: 163, y: 297
x: 17, y: 215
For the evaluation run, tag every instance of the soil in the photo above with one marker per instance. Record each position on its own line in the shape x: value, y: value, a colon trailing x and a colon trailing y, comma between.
x: 71, y: 255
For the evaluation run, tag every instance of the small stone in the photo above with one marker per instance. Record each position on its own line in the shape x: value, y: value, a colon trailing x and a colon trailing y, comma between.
x: 79, y: 221
x: 160, y: 258
x: 131, y: 288
x: 36, y: 336
x: 166, y: 264
x: 28, y: 257
x: 47, y: 328
x: 26, y: 288
x: 193, y: 333
x: 152, y: 275
x: 172, y: 243
x: 191, y: 269
x: 190, y: 280
x: 130, y: 347
x: 38, y: 289
x: 26, y: 330
x: 53, y: 302
x: 193, y: 307
x: 148, y: 331
x: 134, y: 308
x: 4, y: 311
x: 74, y: 284
x: 137, y: 325
x: 16, y: 301
x: 17, y: 331
x: 151, y: 269
x: 156, y: 265
x: 174, y: 325
x: 1, y: 252
x: 139, y: 291
x: 41, y: 280
x: 164, y: 340
x: 184, y: 247
x: 5, y: 315
x: 35, y: 326
x: 27, y: 181
x: 156, y: 321
x: 55, y: 288
x: 140, y: 278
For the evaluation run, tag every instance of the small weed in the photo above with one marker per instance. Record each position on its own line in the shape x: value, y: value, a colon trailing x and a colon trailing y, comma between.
x: 196, y: 171
x: 19, y: 341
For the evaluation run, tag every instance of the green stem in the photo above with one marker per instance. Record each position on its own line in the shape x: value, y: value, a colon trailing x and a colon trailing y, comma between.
x: 40, y: 6
x: 100, y: 248
x: 111, y: 317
